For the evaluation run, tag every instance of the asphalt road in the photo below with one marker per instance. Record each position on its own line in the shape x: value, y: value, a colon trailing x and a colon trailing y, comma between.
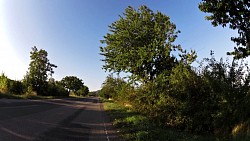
x: 55, y: 120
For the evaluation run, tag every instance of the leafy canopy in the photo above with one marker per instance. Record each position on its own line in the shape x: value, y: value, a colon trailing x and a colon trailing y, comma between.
x: 236, y: 14
x: 140, y: 43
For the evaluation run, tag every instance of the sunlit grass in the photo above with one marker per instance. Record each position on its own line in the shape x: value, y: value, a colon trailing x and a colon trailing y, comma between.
x: 137, y: 127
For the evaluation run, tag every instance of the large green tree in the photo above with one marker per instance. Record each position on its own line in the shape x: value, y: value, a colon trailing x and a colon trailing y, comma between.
x: 72, y: 83
x: 236, y: 14
x: 140, y: 43
x: 39, y: 70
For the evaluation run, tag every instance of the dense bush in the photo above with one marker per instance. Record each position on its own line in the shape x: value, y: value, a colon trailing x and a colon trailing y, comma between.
x: 177, y: 100
x: 83, y: 91
x: 229, y: 84
x: 212, y: 98
x: 16, y: 87
x: 11, y: 86
x: 116, y: 88
x: 56, y: 89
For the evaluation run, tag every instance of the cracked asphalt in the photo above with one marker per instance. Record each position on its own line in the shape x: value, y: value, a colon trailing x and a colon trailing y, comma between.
x: 72, y: 119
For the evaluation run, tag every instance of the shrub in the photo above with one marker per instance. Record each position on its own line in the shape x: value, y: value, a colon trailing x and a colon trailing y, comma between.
x: 213, y: 98
x: 56, y: 89
x: 83, y: 91
x: 16, y: 87
x: 4, y: 82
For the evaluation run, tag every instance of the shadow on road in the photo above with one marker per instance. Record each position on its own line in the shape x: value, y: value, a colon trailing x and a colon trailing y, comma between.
x: 83, y: 125
x: 56, y: 120
x: 66, y: 131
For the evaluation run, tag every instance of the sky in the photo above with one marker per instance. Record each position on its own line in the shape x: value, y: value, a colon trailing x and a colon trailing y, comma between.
x: 71, y: 30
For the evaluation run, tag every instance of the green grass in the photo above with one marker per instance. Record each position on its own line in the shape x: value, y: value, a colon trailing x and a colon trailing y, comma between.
x: 137, y: 127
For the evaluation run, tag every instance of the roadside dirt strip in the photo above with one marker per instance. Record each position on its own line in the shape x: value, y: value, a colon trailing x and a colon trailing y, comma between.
x: 55, y: 120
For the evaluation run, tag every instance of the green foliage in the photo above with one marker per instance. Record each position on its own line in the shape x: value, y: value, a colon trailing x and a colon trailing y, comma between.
x: 115, y: 88
x: 39, y: 70
x: 3, y: 83
x: 230, y: 83
x: 72, y: 83
x: 141, y: 43
x: 234, y: 13
x: 108, y: 88
x: 16, y: 87
x: 212, y: 99
x: 176, y: 100
x: 11, y: 86
x: 83, y: 91
x: 55, y: 88
x: 36, y: 81
x: 134, y: 126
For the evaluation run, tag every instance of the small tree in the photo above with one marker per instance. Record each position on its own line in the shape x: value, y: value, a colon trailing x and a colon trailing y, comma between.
x: 39, y: 70
x: 234, y: 13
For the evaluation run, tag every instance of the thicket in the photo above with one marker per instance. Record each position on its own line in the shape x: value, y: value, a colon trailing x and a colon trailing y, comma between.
x: 212, y: 98
x: 10, y: 86
x: 55, y: 88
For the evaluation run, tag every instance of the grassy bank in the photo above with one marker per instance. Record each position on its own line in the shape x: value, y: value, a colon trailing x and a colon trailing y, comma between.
x: 137, y: 127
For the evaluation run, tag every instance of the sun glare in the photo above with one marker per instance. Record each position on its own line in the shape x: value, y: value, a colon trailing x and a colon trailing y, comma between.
x: 10, y: 64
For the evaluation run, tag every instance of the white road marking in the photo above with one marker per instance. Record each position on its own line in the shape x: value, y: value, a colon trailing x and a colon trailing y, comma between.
x: 104, y: 124
x: 106, y: 131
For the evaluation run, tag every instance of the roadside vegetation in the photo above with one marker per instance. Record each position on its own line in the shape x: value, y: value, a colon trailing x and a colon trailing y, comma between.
x: 163, y: 97
x: 39, y: 83
x: 210, y: 104
x: 133, y: 125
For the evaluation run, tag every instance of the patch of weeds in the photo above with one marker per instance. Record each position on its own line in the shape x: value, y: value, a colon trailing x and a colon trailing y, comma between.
x: 134, y: 126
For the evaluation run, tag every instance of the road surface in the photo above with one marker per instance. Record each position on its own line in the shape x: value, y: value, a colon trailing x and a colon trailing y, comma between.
x: 54, y: 120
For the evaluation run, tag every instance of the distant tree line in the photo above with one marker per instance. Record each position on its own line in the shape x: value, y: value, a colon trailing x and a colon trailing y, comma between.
x: 212, y: 98
x: 39, y: 81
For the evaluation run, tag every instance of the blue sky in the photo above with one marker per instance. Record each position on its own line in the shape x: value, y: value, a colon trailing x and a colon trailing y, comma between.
x: 71, y: 30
